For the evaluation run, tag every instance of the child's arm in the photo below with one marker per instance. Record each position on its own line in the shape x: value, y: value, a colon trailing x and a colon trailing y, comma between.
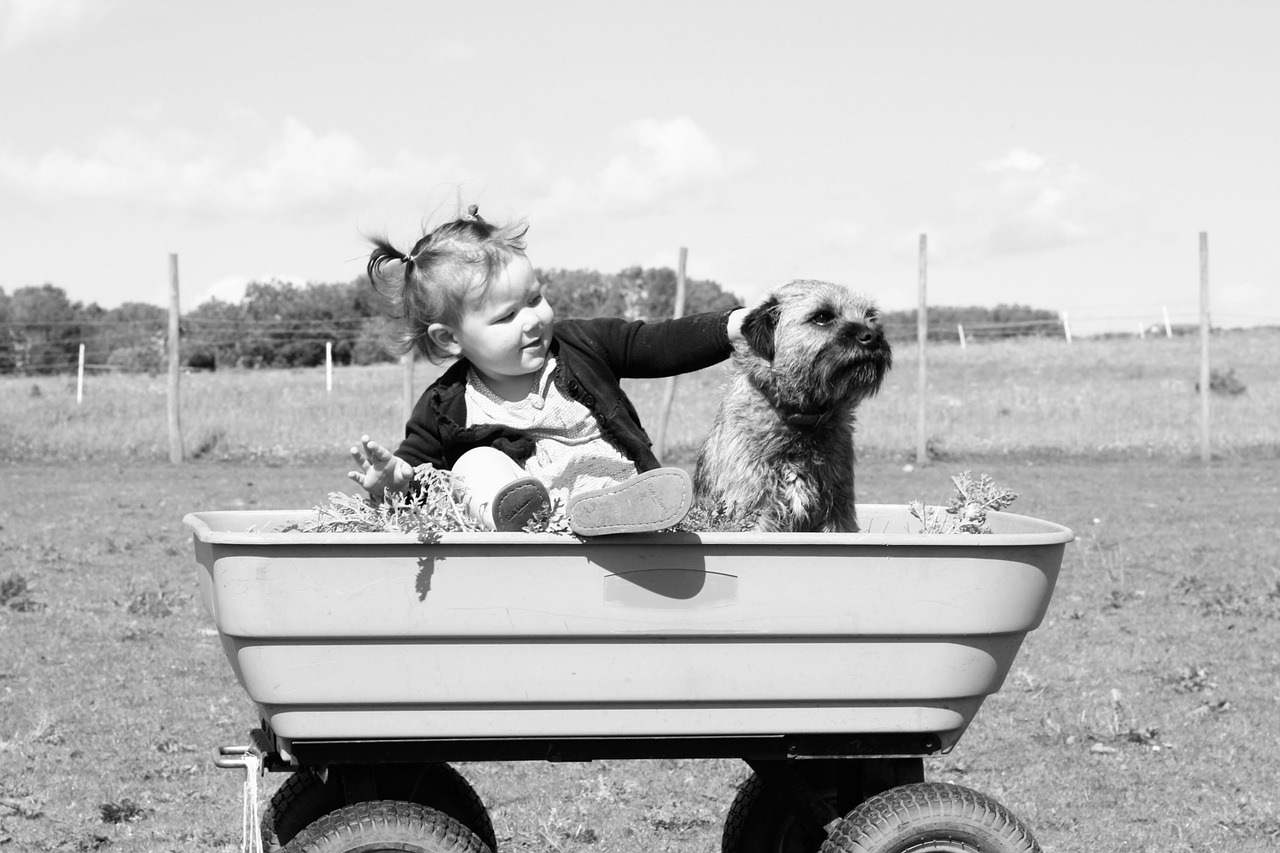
x: 380, y: 469
x: 648, y: 349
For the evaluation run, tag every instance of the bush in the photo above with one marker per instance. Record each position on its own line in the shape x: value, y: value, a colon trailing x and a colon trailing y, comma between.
x: 204, y: 358
x: 135, y: 359
x: 15, y: 593
x: 1224, y: 382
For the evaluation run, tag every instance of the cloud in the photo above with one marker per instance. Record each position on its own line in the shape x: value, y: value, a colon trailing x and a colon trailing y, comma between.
x: 1019, y: 203
x: 663, y: 159
x: 654, y: 162
x: 247, y: 166
x: 226, y: 289
x: 231, y: 288
x: 26, y: 21
x: 1023, y: 203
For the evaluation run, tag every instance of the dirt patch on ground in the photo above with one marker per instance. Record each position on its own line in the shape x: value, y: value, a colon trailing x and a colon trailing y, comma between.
x: 1139, y: 716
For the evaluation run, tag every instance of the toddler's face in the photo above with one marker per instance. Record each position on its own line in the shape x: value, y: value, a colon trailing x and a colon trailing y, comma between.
x: 506, y: 335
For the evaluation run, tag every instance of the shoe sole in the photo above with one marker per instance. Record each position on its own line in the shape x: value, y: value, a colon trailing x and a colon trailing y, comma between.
x: 654, y: 500
x: 517, y: 503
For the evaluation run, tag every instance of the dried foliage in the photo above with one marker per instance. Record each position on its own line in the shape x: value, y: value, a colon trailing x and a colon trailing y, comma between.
x: 966, y: 511
x: 715, y: 518
x: 434, y: 508
x: 430, y: 509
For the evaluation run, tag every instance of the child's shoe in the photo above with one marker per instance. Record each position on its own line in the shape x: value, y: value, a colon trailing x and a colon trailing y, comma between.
x: 653, y: 500
x: 517, y: 503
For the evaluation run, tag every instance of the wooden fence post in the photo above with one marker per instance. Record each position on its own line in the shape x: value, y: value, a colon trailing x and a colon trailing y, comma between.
x: 176, y: 452
x: 922, y: 335
x: 80, y: 378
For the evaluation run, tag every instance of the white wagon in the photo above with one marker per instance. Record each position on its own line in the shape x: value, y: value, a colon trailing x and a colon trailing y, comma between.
x: 830, y: 663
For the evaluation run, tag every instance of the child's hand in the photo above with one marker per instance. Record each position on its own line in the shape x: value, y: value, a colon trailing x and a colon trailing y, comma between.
x: 736, y: 317
x: 380, y: 469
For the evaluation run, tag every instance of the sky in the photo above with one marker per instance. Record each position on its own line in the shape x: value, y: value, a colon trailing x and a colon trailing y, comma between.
x: 1065, y: 156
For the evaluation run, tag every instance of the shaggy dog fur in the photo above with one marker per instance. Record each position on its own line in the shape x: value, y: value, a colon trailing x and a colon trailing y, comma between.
x: 781, y: 447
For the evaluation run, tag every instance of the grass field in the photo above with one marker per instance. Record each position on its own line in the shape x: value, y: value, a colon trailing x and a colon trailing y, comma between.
x: 1042, y: 397
x: 1139, y: 717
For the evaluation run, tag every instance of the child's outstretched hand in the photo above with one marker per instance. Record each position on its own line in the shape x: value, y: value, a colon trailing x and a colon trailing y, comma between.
x: 380, y: 469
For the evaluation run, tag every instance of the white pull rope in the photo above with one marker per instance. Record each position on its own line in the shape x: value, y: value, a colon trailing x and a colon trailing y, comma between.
x: 252, y: 820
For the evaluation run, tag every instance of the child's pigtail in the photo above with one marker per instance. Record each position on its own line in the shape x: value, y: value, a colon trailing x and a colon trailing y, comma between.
x: 384, y: 253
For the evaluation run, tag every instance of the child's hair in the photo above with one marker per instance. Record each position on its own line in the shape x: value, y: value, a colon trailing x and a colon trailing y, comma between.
x: 448, y: 267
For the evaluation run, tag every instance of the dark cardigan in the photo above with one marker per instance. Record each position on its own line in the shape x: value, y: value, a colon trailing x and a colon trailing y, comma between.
x: 591, y: 357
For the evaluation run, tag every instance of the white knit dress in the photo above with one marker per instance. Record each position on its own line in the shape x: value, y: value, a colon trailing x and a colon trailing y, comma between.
x: 571, y: 454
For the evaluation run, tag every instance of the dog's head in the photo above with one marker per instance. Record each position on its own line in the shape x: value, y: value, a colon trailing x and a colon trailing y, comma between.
x: 813, y: 345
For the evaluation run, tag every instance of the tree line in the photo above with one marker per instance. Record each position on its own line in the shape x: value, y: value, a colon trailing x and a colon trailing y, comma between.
x: 1002, y: 321
x: 279, y: 324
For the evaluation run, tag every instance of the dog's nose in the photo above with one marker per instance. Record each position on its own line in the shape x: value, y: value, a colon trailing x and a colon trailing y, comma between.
x: 864, y: 335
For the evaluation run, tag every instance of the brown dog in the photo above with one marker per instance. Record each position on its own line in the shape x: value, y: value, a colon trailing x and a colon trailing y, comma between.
x: 781, y: 447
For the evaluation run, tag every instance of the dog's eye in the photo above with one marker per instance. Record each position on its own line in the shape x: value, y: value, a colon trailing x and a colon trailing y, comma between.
x: 822, y: 318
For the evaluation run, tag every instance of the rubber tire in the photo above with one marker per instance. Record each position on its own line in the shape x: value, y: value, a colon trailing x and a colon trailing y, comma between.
x: 930, y: 817
x: 300, y: 799
x: 304, y: 798
x: 759, y: 822
x: 382, y: 826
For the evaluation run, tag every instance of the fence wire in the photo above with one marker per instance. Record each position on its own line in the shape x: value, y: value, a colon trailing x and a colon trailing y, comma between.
x: 53, y: 346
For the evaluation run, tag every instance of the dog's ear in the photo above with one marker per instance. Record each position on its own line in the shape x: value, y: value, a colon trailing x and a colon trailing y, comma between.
x: 759, y: 325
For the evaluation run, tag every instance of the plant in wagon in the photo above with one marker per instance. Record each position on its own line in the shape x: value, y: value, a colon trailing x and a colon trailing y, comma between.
x: 435, y: 508
x: 431, y: 509
x: 966, y: 511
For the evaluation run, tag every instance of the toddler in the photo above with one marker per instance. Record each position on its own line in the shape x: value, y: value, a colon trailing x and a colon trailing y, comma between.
x: 532, y: 409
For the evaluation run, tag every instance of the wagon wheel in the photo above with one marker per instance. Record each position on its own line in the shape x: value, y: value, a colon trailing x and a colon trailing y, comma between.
x: 444, y: 789
x: 758, y: 821
x: 302, y: 798
x: 305, y: 797
x: 382, y: 826
x: 930, y: 818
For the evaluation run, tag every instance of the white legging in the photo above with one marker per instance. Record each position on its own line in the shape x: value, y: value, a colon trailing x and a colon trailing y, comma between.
x: 481, y: 473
